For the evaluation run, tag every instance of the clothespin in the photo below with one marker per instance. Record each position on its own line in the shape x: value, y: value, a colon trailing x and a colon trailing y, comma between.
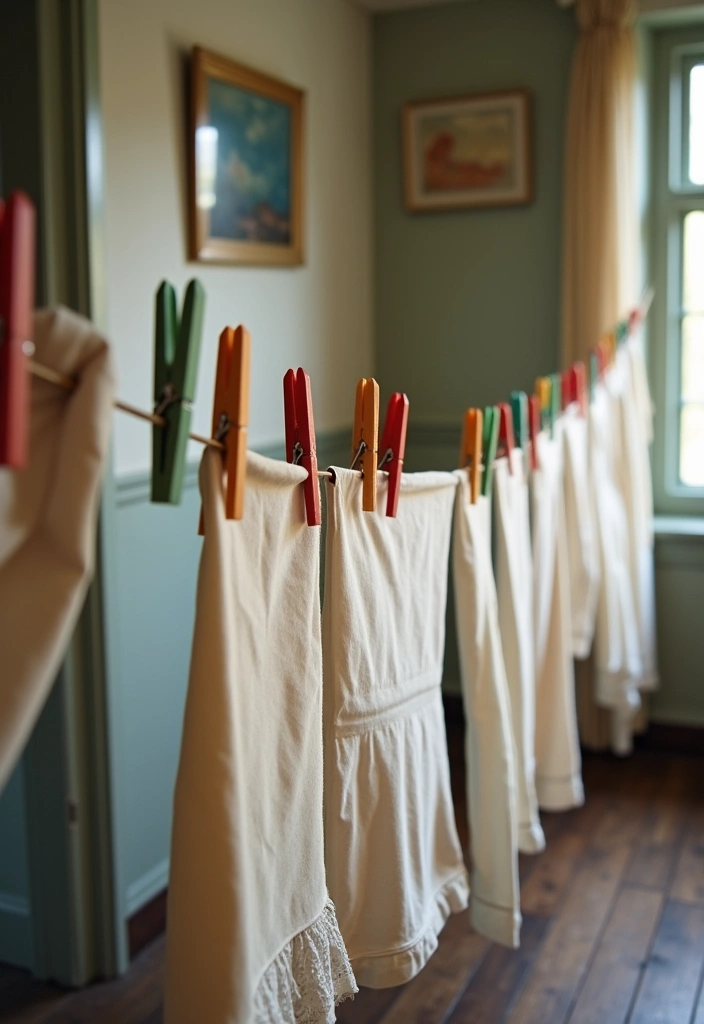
x: 555, y: 400
x: 231, y: 414
x: 490, y: 445
x: 567, y: 383
x: 393, y: 447
x: 365, y: 439
x: 506, y: 442
x: 471, y: 450
x: 176, y: 352
x: 300, y: 437
x: 543, y: 388
x: 534, y: 426
x: 17, y: 235
x: 594, y: 371
x: 578, y: 373
x: 519, y: 405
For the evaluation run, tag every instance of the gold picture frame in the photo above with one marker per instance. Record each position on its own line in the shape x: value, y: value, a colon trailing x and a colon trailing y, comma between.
x: 468, y: 151
x: 246, y: 165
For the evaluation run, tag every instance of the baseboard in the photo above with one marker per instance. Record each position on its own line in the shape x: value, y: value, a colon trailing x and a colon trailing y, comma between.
x: 146, y: 924
x: 664, y: 738
x: 15, y: 931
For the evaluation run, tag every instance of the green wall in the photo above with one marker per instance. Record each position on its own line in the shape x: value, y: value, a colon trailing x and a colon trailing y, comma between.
x: 467, y: 303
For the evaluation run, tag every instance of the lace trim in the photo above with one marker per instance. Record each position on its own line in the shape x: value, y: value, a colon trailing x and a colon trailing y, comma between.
x: 308, y: 978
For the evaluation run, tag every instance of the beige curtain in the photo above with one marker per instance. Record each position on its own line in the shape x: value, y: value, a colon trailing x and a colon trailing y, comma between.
x: 599, y: 258
x: 600, y: 208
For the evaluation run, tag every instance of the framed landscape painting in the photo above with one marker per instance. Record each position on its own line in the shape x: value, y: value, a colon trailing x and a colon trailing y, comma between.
x: 246, y: 165
x: 471, y: 151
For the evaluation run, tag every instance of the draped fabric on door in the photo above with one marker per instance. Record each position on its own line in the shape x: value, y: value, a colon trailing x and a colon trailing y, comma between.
x: 600, y: 221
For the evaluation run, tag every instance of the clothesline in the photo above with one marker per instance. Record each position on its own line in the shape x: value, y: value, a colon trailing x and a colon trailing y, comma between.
x: 62, y: 380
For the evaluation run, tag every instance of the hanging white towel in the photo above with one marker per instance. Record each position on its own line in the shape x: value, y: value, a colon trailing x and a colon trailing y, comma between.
x: 638, y: 492
x: 514, y: 588
x: 252, y: 936
x: 489, y: 749
x: 558, y: 776
x: 48, y: 517
x: 582, y: 546
x: 618, y: 662
x: 393, y: 857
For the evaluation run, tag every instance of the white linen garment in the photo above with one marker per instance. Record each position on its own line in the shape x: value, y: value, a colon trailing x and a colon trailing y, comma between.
x: 252, y: 936
x: 582, y: 546
x: 558, y: 778
x: 491, y: 767
x: 48, y: 518
x: 619, y: 665
x: 514, y: 588
x: 393, y: 857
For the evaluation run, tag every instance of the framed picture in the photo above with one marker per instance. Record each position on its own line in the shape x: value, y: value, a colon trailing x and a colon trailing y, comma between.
x: 470, y: 151
x: 246, y: 165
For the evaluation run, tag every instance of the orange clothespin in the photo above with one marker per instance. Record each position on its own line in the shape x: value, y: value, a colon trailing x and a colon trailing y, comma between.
x: 231, y: 414
x: 507, y: 441
x: 393, y: 447
x: 534, y: 429
x: 365, y: 439
x: 300, y: 437
x: 471, y: 450
x: 17, y: 231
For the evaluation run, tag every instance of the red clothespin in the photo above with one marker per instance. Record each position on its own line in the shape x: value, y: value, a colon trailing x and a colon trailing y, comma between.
x: 300, y: 437
x: 567, y: 383
x: 231, y: 414
x: 393, y: 447
x: 578, y: 374
x: 17, y: 231
x: 534, y: 429
x: 507, y: 441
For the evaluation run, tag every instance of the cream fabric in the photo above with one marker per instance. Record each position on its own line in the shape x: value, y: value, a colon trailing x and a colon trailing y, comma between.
x: 489, y: 748
x: 393, y: 858
x: 252, y: 936
x: 618, y: 665
x: 48, y: 516
x: 514, y: 588
x: 582, y: 547
x: 558, y: 777
x: 600, y: 219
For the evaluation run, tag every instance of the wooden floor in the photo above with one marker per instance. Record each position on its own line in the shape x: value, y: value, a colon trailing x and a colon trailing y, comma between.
x: 613, y: 925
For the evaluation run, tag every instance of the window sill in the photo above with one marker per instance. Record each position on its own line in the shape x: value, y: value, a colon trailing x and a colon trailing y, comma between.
x: 678, y: 526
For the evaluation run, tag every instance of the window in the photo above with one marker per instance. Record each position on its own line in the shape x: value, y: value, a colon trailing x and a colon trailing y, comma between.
x: 678, y: 181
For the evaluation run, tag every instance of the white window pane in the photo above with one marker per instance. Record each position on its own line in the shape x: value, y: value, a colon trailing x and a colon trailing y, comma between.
x: 696, y: 125
x: 692, y: 446
x: 693, y: 262
x: 693, y: 359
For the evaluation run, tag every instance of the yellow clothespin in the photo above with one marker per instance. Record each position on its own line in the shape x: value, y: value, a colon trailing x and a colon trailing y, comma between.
x: 471, y: 450
x: 365, y: 439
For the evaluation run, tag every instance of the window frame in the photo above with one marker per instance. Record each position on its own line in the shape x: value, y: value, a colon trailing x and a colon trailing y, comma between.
x: 676, y: 52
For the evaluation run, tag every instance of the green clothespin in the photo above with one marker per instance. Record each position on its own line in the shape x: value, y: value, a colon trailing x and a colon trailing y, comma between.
x: 593, y: 373
x: 176, y: 351
x: 490, y: 444
x: 519, y: 408
x: 621, y: 331
x: 555, y: 400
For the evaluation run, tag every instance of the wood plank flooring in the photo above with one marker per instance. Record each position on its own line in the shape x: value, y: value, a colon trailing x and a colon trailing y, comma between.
x: 613, y: 925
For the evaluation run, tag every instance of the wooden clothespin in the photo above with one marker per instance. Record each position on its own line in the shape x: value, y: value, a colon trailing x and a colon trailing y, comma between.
x: 490, y: 445
x: 579, y: 386
x: 471, y: 450
x: 534, y: 427
x: 365, y: 439
x: 17, y: 240
x: 231, y: 414
x: 393, y: 447
x: 176, y: 352
x: 506, y: 442
x: 519, y: 406
x: 543, y: 388
x: 300, y: 437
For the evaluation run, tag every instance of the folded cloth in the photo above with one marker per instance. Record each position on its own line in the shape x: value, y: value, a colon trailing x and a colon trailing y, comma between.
x: 558, y: 778
x: 514, y: 588
x: 618, y: 660
x: 582, y: 546
x: 393, y: 857
x: 48, y: 518
x: 489, y: 747
x: 252, y: 936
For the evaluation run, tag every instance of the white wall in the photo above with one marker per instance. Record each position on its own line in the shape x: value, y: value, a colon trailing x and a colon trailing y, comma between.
x: 318, y: 316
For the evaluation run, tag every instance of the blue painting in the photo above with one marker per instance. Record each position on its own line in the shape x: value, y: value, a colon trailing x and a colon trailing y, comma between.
x: 244, y: 165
